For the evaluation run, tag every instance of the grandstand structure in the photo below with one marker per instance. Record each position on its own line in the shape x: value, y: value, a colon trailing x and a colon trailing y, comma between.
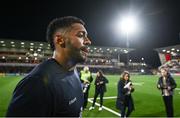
x: 170, y: 58
x: 18, y: 56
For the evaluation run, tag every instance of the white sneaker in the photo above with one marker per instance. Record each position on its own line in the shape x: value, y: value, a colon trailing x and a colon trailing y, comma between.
x: 91, y: 108
x: 100, y: 108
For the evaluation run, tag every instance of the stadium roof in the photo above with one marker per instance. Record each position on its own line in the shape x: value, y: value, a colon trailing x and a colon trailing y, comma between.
x: 169, y: 49
x: 17, y: 45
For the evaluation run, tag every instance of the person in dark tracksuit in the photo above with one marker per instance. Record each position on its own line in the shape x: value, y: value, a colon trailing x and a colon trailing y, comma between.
x: 167, y: 84
x: 124, y: 98
x: 100, y: 88
x: 86, y: 79
x: 53, y: 87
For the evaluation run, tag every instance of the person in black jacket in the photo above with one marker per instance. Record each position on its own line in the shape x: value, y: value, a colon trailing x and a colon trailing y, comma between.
x: 167, y: 84
x: 53, y: 88
x: 124, y: 98
x: 100, y: 88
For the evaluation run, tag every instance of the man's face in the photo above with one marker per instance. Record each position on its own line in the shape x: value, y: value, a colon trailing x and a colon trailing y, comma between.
x: 76, y: 43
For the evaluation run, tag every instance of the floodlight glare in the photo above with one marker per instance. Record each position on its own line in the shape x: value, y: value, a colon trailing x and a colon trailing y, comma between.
x: 128, y: 24
x: 142, y: 70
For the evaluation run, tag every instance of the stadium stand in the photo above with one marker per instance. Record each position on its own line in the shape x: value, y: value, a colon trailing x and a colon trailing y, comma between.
x: 170, y: 58
x: 18, y: 56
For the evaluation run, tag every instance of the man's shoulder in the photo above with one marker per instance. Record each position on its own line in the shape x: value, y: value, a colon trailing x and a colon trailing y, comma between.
x: 49, y: 65
x: 46, y: 70
x: 46, y: 67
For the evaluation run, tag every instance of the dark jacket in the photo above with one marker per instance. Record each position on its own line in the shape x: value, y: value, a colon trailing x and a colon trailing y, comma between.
x: 47, y: 91
x: 122, y: 95
x: 101, y: 87
x: 169, y: 81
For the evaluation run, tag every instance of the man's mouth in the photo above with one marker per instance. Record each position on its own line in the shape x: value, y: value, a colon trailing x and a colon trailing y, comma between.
x: 84, y: 50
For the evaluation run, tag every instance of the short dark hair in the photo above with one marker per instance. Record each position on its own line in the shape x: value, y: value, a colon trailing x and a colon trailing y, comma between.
x: 59, y: 23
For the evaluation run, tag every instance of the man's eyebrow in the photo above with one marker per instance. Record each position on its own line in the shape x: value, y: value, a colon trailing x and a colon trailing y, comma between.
x: 84, y: 32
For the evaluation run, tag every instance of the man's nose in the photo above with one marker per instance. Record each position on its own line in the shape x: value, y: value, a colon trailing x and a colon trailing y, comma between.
x: 87, y: 41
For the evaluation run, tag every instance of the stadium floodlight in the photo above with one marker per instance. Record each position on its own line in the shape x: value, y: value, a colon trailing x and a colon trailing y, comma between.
x: 2, y: 41
x: 164, y: 50
x: 168, y: 51
x: 142, y: 70
x: 35, y: 54
x: 172, y: 49
x: 127, y: 25
x: 31, y: 43
x: 12, y: 42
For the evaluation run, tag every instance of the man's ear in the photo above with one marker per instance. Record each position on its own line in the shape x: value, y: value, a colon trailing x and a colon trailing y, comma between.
x: 59, y: 40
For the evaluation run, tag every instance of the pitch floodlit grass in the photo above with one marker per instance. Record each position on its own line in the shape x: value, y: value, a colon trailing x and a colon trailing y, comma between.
x: 147, y: 99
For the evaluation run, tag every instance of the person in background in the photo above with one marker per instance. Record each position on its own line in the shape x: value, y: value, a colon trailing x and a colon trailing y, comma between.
x: 86, y: 79
x: 100, y: 88
x: 53, y: 88
x: 124, y: 97
x: 167, y: 84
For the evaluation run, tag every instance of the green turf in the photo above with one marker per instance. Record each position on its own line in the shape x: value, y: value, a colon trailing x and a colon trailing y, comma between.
x: 7, y: 85
x: 147, y: 99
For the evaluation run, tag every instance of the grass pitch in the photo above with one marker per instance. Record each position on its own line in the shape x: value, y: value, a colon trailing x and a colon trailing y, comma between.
x: 147, y: 98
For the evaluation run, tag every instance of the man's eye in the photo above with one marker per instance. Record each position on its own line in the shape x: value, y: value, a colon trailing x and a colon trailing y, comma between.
x: 80, y: 35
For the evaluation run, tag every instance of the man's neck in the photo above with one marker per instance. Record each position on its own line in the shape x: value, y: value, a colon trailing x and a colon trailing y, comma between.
x: 63, y: 61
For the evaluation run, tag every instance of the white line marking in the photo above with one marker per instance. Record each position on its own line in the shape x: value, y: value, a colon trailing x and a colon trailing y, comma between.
x: 110, y: 110
x: 139, y: 83
x: 177, y: 89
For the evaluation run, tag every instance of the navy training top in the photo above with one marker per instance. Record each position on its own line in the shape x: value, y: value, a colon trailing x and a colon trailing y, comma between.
x: 47, y: 90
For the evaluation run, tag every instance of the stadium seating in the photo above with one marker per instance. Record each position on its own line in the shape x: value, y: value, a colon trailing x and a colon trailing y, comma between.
x: 21, y: 56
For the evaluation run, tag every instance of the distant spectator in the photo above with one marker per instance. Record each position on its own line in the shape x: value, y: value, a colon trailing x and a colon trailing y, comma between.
x: 124, y: 98
x: 167, y: 84
x: 100, y: 88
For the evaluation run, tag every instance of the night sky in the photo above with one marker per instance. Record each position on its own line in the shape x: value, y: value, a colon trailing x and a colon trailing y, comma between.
x: 159, y: 22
